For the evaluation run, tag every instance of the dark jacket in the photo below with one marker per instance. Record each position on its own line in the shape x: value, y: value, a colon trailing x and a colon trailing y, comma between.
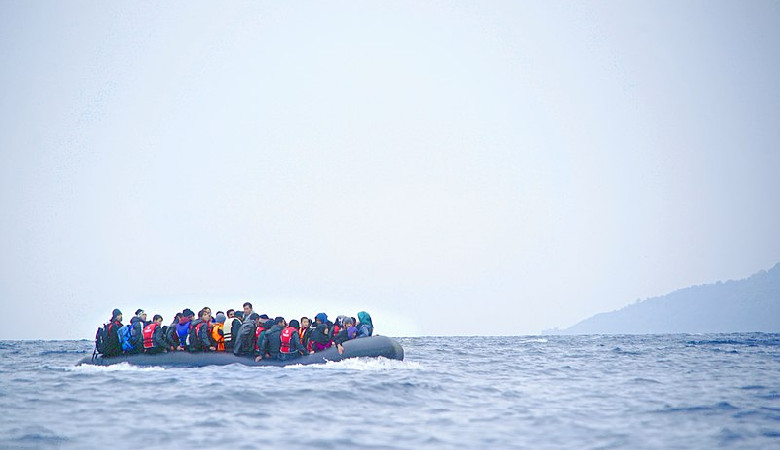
x: 319, y: 339
x: 137, y: 333
x: 113, y: 347
x: 245, y: 339
x: 345, y: 334
x: 305, y: 334
x: 172, y: 336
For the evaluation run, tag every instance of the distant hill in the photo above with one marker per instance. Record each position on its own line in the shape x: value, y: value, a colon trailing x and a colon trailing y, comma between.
x: 752, y: 304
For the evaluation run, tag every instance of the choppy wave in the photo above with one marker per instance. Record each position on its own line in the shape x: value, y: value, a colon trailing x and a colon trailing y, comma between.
x: 660, y: 391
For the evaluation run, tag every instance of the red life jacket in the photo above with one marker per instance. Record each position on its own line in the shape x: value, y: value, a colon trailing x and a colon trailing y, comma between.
x: 286, y: 336
x: 258, y: 330
x: 149, y: 334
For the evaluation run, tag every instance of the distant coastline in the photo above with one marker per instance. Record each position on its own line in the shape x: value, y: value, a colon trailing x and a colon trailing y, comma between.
x: 750, y: 304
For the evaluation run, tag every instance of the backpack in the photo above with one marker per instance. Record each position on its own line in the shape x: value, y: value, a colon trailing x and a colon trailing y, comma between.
x: 100, y: 339
x: 125, y: 338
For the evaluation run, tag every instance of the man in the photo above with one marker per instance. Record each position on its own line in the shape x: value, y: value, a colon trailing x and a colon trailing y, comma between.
x: 248, y: 311
x: 171, y: 336
x: 281, y: 342
x: 200, y: 333
x: 183, y: 327
x: 137, y: 324
x: 113, y: 347
x: 153, y: 336
x: 230, y: 329
x: 244, y: 340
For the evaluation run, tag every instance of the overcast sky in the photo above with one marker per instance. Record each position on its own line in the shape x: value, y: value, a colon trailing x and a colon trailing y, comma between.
x: 452, y: 167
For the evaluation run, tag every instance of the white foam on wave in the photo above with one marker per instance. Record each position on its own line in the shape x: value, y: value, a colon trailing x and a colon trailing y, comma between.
x: 121, y: 367
x: 368, y: 364
x: 534, y: 341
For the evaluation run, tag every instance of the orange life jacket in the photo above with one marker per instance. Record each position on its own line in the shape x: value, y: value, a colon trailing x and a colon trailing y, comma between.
x: 218, y: 337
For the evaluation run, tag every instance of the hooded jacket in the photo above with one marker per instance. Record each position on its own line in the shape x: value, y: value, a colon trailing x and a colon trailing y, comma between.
x: 319, y: 340
x: 365, y: 327
x: 182, y: 329
x: 137, y: 333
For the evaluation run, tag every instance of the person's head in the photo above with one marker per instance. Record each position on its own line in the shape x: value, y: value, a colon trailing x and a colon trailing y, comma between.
x: 247, y: 308
x: 364, y: 317
x: 305, y: 322
x: 294, y: 323
x: 187, y: 313
x: 349, y: 322
x: 157, y: 319
x: 204, y: 315
x: 206, y: 308
x: 177, y: 317
x: 280, y: 321
x: 220, y: 317
x: 254, y: 317
x: 264, y: 317
x: 141, y: 314
x: 231, y: 313
x: 116, y: 314
x: 321, y: 318
x: 239, y: 314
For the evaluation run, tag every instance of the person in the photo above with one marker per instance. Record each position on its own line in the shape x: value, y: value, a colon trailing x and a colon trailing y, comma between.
x: 230, y: 329
x: 320, y: 339
x: 304, y: 331
x: 263, y: 327
x: 365, y: 327
x: 137, y: 324
x: 112, y: 345
x: 245, y: 338
x: 322, y: 318
x: 281, y: 342
x: 248, y: 309
x: 199, y: 335
x: 217, y: 332
x: 183, y: 328
x: 153, y: 336
x: 171, y: 336
x: 348, y: 331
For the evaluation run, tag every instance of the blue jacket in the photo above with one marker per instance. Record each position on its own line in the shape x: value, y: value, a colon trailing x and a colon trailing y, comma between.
x: 182, y: 329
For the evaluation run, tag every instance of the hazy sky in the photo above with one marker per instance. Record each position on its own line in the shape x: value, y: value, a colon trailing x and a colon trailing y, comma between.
x: 451, y: 167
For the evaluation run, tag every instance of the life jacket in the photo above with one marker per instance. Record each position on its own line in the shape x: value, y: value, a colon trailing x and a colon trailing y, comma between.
x: 286, y: 336
x: 335, y: 330
x: 258, y: 330
x: 195, y: 344
x: 125, y: 338
x: 149, y: 335
x: 216, y: 334
x: 227, y: 329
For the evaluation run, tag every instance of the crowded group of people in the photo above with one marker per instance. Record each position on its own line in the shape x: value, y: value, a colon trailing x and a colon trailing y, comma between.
x: 244, y: 333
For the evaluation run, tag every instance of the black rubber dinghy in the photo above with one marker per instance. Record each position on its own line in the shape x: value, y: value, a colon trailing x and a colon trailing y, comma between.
x: 373, y: 346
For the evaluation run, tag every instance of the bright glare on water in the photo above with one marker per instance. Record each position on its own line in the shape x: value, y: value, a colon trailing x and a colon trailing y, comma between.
x: 661, y: 391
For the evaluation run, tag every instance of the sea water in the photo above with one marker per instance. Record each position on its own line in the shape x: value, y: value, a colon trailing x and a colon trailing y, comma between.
x: 654, y: 391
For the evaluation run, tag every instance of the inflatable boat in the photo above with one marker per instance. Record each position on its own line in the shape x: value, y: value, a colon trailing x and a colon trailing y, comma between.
x: 374, y: 346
